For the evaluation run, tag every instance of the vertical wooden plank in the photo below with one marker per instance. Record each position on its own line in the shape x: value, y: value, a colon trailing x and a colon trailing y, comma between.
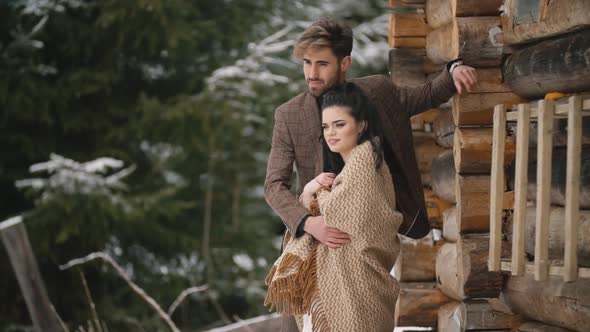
x: 544, y: 150
x: 16, y: 241
x: 497, y: 188
x: 520, y: 190
x: 572, y: 189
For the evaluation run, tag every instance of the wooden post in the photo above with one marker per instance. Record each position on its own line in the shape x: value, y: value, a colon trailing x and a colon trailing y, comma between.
x: 16, y: 242
x: 522, y: 156
x: 497, y: 188
x: 572, y: 193
x: 544, y: 150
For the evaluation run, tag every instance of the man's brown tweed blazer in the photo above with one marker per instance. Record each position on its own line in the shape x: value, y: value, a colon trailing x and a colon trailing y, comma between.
x: 296, y: 137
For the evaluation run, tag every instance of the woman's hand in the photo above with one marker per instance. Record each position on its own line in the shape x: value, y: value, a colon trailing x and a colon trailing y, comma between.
x: 324, y: 179
x: 330, y: 236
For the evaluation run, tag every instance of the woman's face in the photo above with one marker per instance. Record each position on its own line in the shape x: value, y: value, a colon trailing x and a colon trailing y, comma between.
x: 341, y: 130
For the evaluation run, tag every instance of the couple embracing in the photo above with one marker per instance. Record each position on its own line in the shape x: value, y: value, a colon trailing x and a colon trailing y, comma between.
x: 358, y: 185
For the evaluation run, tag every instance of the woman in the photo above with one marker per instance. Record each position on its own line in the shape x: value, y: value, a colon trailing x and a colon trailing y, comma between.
x: 350, y: 288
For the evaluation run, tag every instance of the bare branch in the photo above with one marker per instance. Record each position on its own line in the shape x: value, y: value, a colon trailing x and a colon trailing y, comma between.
x: 134, y: 287
x: 184, y: 294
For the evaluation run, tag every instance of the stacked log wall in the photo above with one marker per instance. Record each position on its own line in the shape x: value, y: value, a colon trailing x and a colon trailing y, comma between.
x: 548, y: 60
x: 459, y: 262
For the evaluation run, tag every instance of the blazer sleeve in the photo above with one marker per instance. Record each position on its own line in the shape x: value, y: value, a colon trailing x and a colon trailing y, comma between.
x: 416, y: 100
x: 278, y: 177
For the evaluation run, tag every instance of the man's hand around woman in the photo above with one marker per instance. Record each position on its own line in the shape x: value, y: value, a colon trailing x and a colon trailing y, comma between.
x: 330, y: 236
x: 316, y: 226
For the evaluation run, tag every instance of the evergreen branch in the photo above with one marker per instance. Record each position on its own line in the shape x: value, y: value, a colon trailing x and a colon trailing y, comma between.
x: 134, y: 286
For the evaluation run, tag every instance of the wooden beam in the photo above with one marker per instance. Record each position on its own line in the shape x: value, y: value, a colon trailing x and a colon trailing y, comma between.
x: 450, y: 225
x: 473, y: 202
x: 556, y: 19
x: 557, y: 65
x: 435, y: 207
x: 490, y: 80
x: 572, y: 189
x: 418, y: 304
x: 475, y: 39
x: 561, y: 109
x: 407, y: 42
x: 406, y: 66
x: 555, y: 270
x: 16, y: 242
x: 556, y: 239
x: 551, y: 301
x: 478, y: 108
x: 417, y: 260
x: 520, y: 189
x: 441, y: 12
x: 497, y: 188
x: 472, y: 150
x: 462, y: 271
x: 408, y: 25
x: 443, y: 176
x: 544, y: 150
x: 539, y: 327
x: 474, y: 315
x: 444, y: 128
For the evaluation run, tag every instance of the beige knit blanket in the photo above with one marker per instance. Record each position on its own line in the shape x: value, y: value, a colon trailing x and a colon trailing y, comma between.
x: 350, y: 288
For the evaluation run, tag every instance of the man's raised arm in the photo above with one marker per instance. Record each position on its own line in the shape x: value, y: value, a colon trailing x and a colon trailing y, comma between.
x: 451, y: 80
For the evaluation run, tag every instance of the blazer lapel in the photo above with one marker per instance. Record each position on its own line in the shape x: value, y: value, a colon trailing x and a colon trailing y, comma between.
x: 311, y: 124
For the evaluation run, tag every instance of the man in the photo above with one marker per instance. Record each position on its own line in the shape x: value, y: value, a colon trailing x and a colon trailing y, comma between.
x: 325, y: 48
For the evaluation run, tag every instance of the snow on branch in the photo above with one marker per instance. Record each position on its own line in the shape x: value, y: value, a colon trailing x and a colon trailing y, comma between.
x: 75, y: 177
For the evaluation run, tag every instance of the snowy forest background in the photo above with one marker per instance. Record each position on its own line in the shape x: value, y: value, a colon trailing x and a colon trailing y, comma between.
x: 141, y: 129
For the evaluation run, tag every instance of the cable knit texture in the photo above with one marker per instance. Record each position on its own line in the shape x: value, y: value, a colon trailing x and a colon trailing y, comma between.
x: 350, y: 288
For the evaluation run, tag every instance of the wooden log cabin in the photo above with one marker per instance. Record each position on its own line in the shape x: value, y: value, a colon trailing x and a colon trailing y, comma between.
x: 510, y: 245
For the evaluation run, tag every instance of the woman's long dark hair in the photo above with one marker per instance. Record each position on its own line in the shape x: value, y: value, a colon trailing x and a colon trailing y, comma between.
x: 361, y: 109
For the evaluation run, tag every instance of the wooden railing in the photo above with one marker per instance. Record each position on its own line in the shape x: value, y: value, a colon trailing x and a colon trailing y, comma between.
x: 544, y: 112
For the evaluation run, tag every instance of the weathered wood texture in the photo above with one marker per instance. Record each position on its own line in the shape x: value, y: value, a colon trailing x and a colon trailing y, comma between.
x: 435, y: 207
x: 475, y: 39
x: 556, y: 234
x: 418, y: 304
x: 558, y: 65
x: 462, y: 269
x: 407, y: 66
x: 417, y: 260
x: 478, y: 108
x: 426, y: 151
x: 558, y: 176
x: 490, y: 80
x: 394, y: 4
x: 472, y: 150
x: 551, y: 301
x: 539, y: 327
x: 556, y: 18
x: 474, y: 315
x: 450, y: 226
x: 443, y: 176
x: 407, y: 42
x: 16, y: 242
x: 424, y: 121
x: 444, y: 128
x: 408, y: 25
x: 473, y: 203
x: 559, y: 138
x: 441, y: 12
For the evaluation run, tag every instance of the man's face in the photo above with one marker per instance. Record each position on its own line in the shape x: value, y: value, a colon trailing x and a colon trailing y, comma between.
x: 322, y: 70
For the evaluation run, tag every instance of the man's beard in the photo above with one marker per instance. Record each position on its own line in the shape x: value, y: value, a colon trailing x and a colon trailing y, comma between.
x: 319, y: 91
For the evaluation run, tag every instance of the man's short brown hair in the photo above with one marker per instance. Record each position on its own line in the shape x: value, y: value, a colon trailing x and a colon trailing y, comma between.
x: 325, y: 32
